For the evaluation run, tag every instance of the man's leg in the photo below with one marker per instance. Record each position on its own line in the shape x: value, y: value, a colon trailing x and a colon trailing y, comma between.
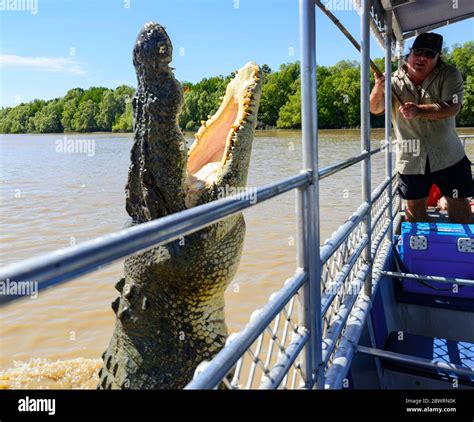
x: 456, y: 185
x: 416, y: 211
x: 459, y: 210
x: 414, y: 189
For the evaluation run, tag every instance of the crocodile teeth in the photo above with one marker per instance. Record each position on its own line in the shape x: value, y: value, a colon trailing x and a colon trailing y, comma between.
x: 119, y: 285
x: 122, y: 312
x: 115, y: 305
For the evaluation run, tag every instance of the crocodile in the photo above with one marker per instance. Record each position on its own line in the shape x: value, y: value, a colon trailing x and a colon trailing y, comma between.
x: 170, y: 312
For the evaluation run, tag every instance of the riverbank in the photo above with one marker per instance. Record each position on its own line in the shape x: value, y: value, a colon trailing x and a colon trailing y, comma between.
x: 468, y: 130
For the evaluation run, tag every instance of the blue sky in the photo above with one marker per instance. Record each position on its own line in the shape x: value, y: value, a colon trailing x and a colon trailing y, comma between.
x: 83, y: 43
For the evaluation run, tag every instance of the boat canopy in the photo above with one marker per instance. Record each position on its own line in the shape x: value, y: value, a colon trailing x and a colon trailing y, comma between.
x: 413, y: 17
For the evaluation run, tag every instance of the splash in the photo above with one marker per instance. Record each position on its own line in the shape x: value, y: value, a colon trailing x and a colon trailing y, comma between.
x: 76, y: 374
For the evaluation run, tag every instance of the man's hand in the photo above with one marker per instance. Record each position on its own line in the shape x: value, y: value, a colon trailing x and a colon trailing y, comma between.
x: 377, y: 96
x: 379, y: 83
x: 409, y: 111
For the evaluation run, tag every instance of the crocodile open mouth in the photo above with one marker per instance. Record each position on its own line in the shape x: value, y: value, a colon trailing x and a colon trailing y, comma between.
x: 217, y: 136
x: 170, y: 315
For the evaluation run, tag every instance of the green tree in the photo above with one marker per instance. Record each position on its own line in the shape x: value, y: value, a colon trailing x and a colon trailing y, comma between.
x: 70, y: 104
x: 94, y: 94
x: 110, y: 108
x: 124, y: 122
x: 99, y: 108
x: 463, y: 58
x: 201, y: 100
x: 289, y: 115
x: 75, y: 93
x: 124, y: 94
x: 48, y: 119
x: 18, y: 119
x: 69, y: 109
x: 276, y: 90
x: 84, y: 117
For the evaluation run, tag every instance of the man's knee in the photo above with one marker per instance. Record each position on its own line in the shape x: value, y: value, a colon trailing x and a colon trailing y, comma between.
x: 417, y: 204
x: 416, y: 210
x: 459, y: 210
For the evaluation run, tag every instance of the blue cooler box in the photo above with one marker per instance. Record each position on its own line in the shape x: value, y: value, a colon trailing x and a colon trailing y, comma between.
x: 438, y: 249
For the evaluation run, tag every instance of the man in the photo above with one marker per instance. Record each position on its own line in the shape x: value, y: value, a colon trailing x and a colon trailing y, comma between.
x: 428, y: 148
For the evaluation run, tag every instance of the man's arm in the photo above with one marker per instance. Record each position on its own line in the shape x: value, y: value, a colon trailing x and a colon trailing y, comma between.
x: 451, y: 95
x: 429, y: 111
x: 377, y: 96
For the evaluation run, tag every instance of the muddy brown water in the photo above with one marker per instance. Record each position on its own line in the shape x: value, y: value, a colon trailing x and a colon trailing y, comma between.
x: 52, y: 197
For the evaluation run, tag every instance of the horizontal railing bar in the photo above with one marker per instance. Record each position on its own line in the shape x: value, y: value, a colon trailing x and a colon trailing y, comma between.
x: 383, y: 232
x: 397, y: 220
x: 381, y: 189
x: 327, y: 298
x: 415, y: 360
x: 329, y: 342
x: 274, y: 378
x: 337, y: 371
x: 212, y: 378
x: 437, y: 279
x: 341, y: 234
x: 335, y: 168
x: 223, y: 362
x: 65, y: 264
x: 380, y: 213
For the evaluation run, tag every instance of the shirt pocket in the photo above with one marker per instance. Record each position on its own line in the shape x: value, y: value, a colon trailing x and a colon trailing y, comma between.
x: 429, y: 98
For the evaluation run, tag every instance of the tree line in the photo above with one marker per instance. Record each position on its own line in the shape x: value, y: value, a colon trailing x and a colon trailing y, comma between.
x: 80, y: 110
x: 103, y: 109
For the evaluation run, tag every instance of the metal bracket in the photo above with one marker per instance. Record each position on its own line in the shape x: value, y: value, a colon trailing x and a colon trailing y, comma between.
x: 465, y: 244
x: 419, y: 243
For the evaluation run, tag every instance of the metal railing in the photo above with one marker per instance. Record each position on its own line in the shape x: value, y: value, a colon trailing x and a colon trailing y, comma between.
x: 303, y: 321
x: 69, y: 263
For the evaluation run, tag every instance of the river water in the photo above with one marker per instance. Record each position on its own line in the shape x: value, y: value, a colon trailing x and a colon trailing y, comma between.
x: 52, y: 197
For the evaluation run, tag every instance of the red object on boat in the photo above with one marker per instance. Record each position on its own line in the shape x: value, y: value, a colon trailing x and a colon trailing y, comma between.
x: 435, y: 195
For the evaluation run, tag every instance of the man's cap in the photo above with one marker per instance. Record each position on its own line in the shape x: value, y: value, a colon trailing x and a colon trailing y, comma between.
x: 429, y: 40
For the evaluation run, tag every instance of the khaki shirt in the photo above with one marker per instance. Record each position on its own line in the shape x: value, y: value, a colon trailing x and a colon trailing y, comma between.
x: 419, y: 139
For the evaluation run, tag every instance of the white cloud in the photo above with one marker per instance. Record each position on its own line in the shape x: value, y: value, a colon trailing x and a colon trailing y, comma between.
x: 45, y: 64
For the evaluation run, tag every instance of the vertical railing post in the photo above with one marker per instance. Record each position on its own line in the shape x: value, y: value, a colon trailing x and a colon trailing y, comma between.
x: 309, y: 253
x: 399, y: 48
x: 365, y: 131
x: 400, y: 45
x: 388, y: 115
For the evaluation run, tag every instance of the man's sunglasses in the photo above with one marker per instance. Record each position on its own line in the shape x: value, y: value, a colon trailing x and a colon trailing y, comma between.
x: 429, y: 54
